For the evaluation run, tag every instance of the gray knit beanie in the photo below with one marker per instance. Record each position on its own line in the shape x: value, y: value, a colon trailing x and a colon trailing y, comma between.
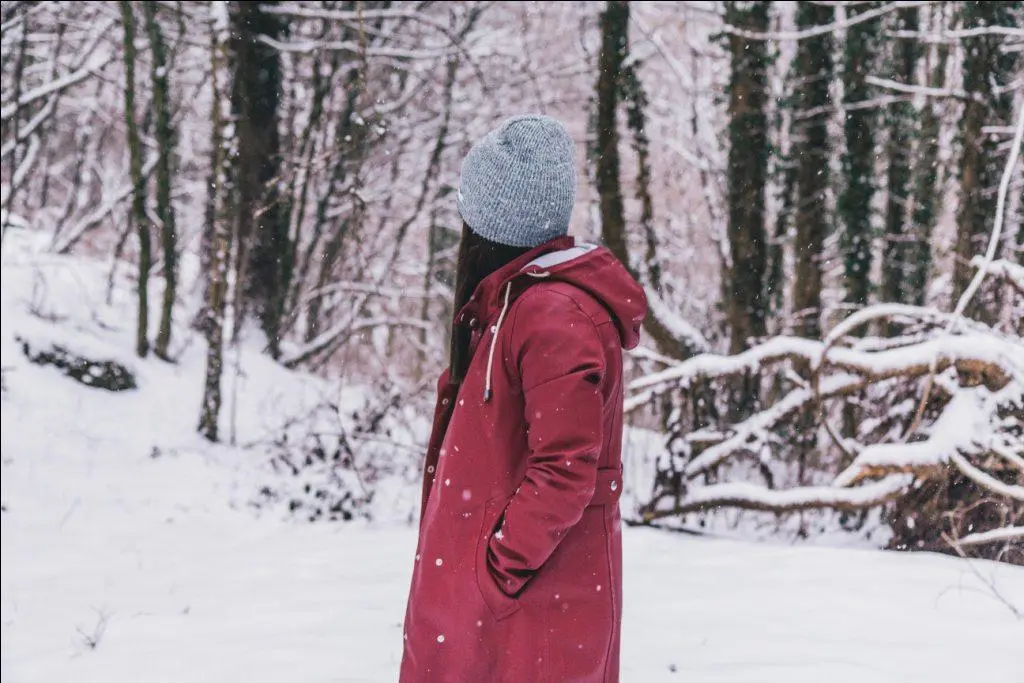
x: 518, y: 183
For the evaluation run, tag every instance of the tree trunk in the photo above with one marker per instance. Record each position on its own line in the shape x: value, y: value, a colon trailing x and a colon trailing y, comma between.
x: 265, y: 254
x: 165, y: 140
x: 811, y: 149
x: 747, y: 175
x: 858, y: 160
x: 985, y: 65
x: 614, y: 79
x: 218, y: 232
x: 926, y: 174
x: 138, y: 210
x: 635, y: 98
x: 896, y: 263
x: 19, y: 70
x: 614, y: 41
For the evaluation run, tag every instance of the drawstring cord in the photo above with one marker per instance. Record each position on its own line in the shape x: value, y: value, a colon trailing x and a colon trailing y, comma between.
x: 494, y: 335
x: 494, y: 342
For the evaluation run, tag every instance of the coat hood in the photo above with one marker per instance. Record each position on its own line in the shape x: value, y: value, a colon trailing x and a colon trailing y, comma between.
x: 589, y: 267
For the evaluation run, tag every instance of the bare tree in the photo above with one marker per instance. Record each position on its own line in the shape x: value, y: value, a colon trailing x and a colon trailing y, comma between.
x: 219, y: 232
x: 165, y: 141
x: 985, y: 68
x: 813, y: 77
x: 138, y: 211
x: 860, y: 59
x: 671, y: 334
x: 747, y: 175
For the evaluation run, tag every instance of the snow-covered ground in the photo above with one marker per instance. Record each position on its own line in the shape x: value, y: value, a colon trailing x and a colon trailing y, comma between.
x: 129, y: 554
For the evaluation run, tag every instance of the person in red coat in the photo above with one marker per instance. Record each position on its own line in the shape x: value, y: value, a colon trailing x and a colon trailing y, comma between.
x: 518, y: 571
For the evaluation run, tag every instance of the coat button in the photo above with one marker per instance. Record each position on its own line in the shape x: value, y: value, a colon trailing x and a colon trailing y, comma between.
x: 473, y: 322
x: 615, y: 485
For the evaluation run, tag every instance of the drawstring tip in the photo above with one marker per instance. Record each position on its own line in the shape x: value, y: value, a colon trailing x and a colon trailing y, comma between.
x: 487, y: 395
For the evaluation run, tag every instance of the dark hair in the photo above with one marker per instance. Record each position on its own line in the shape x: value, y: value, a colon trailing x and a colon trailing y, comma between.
x: 478, y: 258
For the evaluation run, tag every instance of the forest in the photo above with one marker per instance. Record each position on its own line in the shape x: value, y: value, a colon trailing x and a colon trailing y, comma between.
x: 823, y: 200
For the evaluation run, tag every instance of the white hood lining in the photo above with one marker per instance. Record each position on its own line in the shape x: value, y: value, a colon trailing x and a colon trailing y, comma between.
x: 557, y: 258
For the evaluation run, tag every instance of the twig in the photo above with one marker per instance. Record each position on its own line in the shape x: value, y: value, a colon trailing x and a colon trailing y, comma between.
x: 92, y: 640
x: 825, y: 28
x: 997, y: 229
x: 957, y: 547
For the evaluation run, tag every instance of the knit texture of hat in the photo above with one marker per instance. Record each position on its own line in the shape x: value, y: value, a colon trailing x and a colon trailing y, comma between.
x: 518, y: 184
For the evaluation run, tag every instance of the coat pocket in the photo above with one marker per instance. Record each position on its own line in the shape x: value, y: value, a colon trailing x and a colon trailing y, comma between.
x: 500, y: 604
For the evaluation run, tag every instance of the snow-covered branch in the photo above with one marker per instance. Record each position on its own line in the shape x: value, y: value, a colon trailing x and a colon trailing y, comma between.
x: 927, y: 91
x: 988, y: 355
x: 688, y: 336
x: 747, y: 496
x: 826, y: 28
x: 750, y: 435
x: 986, y: 480
x: 57, y: 85
x: 351, y: 47
x: 1012, y: 272
x: 1000, y: 535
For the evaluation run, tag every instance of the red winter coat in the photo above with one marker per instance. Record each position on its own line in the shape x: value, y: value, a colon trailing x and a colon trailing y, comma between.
x: 518, y: 573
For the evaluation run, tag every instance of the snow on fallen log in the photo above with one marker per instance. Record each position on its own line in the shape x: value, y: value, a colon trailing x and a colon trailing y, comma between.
x: 711, y: 365
x: 752, y: 497
x: 965, y: 419
x: 1000, y: 535
x: 988, y: 355
x: 967, y: 422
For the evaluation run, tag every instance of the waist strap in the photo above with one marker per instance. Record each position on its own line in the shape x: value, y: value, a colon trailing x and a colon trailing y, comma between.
x: 609, y: 487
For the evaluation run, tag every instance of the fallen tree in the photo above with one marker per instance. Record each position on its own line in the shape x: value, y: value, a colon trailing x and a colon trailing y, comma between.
x: 937, y: 442
x: 932, y: 430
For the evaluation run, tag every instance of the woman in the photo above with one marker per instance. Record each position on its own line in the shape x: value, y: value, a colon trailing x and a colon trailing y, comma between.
x: 518, y: 573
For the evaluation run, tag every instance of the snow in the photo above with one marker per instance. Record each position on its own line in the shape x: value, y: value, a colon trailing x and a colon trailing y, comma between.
x: 124, y: 530
x: 1004, y: 269
x: 987, y: 348
x: 782, y: 499
x: 678, y: 326
x: 959, y: 427
x: 1006, y: 533
x: 967, y: 424
x: 710, y: 364
x: 750, y: 434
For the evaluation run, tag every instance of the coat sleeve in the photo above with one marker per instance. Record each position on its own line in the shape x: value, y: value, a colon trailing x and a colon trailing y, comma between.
x: 561, y: 362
